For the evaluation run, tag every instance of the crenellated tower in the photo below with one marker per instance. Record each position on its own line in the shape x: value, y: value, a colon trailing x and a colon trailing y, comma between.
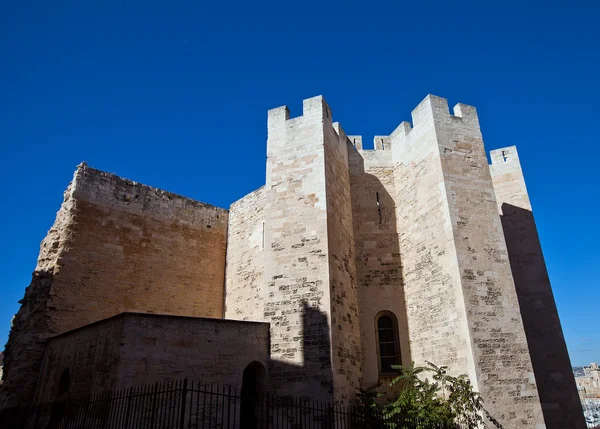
x: 310, y: 294
x: 371, y: 258
x: 358, y: 259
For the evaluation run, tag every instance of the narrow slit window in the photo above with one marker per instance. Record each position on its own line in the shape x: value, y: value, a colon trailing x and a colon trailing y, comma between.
x: 378, y: 206
x: 382, y: 145
x: 504, y: 156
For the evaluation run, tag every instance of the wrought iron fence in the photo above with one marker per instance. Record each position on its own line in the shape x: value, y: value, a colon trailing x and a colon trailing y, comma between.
x: 189, y: 405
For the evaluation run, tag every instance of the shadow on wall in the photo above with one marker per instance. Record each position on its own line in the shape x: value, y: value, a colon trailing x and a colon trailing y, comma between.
x: 549, y: 356
x: 314, y: 378
x: 379, y: 270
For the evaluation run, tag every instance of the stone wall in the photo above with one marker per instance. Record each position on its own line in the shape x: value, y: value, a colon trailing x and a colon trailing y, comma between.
x: 244, y: 285
x: 116, y: 246
x: 436, y: 314
x: 378, y: 264
x: 345, y: 322
x: 139, y: 349
x: 462, y: 304
x: 90, y: 355
x: 298, y: 300
x: 549, y: 356
x: 502, y: 361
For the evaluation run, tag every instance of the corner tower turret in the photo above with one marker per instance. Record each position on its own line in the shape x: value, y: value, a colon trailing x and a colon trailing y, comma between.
x: 310, y: 296
x: 462, y: 304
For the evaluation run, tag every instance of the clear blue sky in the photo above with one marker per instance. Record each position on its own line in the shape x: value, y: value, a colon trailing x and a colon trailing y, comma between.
x: 175, y: 95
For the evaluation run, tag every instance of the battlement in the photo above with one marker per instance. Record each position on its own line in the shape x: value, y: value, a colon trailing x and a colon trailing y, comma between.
x: 434, y: 110
x: 505, y: 154
x: 356, y: 141
x: 379, y: 143
x: 312, y: 108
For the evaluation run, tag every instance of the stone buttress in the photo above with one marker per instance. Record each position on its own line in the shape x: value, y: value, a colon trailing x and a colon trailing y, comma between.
x: 310, y: 296
x: 549, y: 355
x: 462, y: 304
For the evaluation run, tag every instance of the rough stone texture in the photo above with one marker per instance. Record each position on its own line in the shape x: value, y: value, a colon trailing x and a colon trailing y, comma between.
x: 378, y: 264
x: 549, y: 356
x: 116, y: 246
x: 500, y: 351
x: 345, y: 327
x: 245, y: 258
x: 435, y: 307
x: 461, y: 262
x: 133, y: 349
x: 309, y: 249
x: 296, y: 254
x: 337, y: 235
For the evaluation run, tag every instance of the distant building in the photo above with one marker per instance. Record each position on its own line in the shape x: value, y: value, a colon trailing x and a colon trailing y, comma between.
x: 589, y: 383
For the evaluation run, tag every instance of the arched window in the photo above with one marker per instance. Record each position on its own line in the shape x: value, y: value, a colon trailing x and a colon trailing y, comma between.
x: 388, y: 346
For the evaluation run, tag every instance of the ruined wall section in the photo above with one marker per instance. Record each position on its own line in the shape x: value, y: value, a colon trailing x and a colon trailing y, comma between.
x: 502, y: 363
x: 137, y: 248
x: 551, y: 364
x: 245, y: 290
x: 437, y: 319
x: 117, y: 246
x: 32, y: 325
x: 378, y: 264
x: 296, y: 253
x: 345, y: 322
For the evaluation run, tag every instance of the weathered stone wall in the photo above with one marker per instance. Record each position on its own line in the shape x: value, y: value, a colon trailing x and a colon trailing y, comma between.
x: 378, y: 264
x: 89, y: 354
x: 136, y: 349
x: 31, y: 326
x: 116, y: 246
x: 549, y: 356
x: 296, y: 253
x: 345, y: 322
x: 500, y: 352
x: 437, y: 319
x: 244, y: 289
x: 208, y: 350
x: 462, y: 262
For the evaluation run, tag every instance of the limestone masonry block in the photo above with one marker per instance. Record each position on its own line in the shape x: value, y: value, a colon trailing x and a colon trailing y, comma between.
x: 136, y: 285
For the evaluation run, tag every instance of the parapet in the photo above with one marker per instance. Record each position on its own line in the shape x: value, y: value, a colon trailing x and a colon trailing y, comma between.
x: 312, y: 108
x: 315, y: 114
x: 108, y: 190
x: 379, y: 143
x: 505, y: 154
x: 434, y: 111
x: 356, y: 141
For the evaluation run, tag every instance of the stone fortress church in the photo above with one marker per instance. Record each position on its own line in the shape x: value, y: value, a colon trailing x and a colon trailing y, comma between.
x: 346, y: 262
